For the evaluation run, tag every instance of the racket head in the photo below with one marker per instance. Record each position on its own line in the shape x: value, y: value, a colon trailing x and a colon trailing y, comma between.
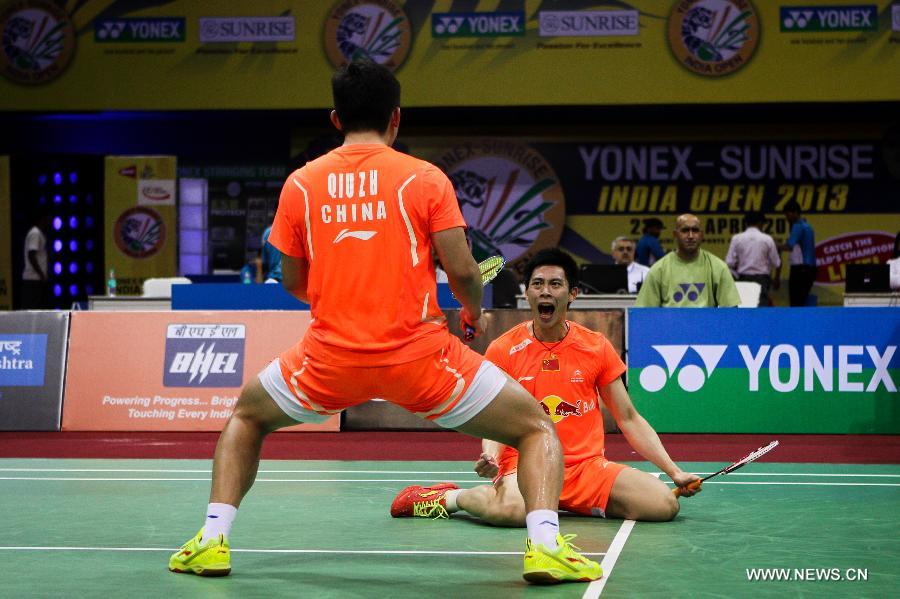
x: 490, y: 268
x: 753, y: 456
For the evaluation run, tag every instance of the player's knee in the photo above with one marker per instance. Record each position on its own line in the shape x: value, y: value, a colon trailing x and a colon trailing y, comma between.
x: 670, y: 507
x: 506, y: 514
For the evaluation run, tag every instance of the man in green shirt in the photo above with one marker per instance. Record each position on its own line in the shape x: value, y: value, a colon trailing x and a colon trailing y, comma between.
x: 688, y: 277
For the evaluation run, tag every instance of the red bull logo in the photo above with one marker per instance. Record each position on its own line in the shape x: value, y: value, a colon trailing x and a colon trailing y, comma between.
x: 557, y: 408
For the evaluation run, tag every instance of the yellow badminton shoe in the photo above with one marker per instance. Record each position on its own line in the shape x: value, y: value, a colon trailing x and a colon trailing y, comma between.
x: 211, y: 559
x: 565, y: 564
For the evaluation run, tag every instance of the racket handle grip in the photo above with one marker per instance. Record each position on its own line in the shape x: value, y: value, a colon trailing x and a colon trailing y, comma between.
x: 692, y: 485
x: 468, y: 332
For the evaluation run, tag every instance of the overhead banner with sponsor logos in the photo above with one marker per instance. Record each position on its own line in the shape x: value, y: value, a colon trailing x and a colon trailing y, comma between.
x: 170, y: 371
x: 784, y: 370
x: 194, y: 55
x: 140, y: 210
x: 32, y: 365
x: 6, y: 265
x: 518, y: 197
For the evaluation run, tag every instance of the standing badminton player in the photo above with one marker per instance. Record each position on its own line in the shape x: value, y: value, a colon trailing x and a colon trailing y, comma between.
x: 356, y: 229
x: 568, y: 369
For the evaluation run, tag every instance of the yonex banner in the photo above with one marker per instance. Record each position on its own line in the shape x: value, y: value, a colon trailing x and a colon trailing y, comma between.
x: 171, y: 371
x: 278, y: 54
x: 32, y: 364
x: 782, y: 370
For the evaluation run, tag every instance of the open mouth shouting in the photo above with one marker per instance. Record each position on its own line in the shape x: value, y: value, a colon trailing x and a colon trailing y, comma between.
x: 546, y: 310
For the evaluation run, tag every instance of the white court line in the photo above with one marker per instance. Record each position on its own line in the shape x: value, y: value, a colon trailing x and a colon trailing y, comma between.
x: 410, y: 472
x: 324, y: 551
x: 259, y: 480
x: 609, y: 560
x: 405, y: 480
x: 208, y: 470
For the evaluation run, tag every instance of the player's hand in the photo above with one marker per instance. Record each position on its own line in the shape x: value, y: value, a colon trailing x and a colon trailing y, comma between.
x: 471, y: 327
x: 487, y: 466
x: 683, y: 479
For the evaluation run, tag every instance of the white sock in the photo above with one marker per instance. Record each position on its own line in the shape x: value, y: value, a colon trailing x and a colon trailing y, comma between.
x: 450, y: 500
x: 543, y: 526
x: 219, y: 518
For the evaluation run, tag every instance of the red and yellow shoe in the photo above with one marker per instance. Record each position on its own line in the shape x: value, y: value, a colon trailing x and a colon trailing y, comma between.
x: 422, y: 502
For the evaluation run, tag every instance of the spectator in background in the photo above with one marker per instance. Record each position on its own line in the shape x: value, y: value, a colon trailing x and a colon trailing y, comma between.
x: 688, y: 277
x: 623, y: 253
x: 894, y: 264
x: 268, y: 265
x: 753, y: 256
x: 35, y: 285
x: 802, y: 246
x: 649, y: 249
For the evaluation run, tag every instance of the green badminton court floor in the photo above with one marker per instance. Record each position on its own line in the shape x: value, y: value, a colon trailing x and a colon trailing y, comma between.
x: 105, y: 528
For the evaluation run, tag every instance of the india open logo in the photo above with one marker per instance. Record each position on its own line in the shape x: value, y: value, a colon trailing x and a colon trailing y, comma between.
x: 37, y: 39
x: 713, y: 37
x: 509, y: 196
x: 690, y: 377
x: 376, y: 30
x: 140, y: 232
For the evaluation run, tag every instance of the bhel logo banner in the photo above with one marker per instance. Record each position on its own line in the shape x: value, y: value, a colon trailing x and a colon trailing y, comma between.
x: 22, y: 360
x: 246, y: 29
x: 591, y: 23
x: 204, y: 355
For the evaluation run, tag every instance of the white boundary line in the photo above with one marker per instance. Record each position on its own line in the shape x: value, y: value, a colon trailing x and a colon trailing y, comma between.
x: 400, y: 480
x: 609, y: 560
x: 411, y: 472
x: 287, y: 551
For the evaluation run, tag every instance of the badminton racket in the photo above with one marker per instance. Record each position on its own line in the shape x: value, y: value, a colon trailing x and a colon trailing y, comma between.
x: 739, y: 464
x: 489, y: 268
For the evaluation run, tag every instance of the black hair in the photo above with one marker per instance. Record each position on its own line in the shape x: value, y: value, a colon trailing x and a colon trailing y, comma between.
x: 754, y: 217
x: 552, y: 257
x: 365, y: 94
x: 792, y: 206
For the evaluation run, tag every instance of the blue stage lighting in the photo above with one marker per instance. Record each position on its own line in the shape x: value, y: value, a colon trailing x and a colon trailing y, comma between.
x: 73, y: 177
x: 57, y: 246
x: 57, y: 223
x: 57, y: 267
x: 42, y: 179
x: 57, y: 178
x: 89, y: 267
x: 57, y: 199
x: 73, y: 290
x: 73, y: 267
x: 57, y: 290
x: 88, y: 221
x: 73, y: 246
x: 89, y: 244
x: 73, y: 198
x: 73, y: 222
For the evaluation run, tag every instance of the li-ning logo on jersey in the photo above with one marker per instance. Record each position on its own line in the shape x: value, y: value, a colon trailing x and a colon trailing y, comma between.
x: 204, y: 355
x: 691, y: 377
x: 509, y: 195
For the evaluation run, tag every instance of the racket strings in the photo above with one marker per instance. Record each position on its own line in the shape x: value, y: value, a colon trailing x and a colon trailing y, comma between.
x: 490, y: 268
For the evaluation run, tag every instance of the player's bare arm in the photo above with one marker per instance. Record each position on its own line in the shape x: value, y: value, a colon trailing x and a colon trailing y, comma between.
x: 295, y: 273
x: 641, y: 436
x: 462, y: 274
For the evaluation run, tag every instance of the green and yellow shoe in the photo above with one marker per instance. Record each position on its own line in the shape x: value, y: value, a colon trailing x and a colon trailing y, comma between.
x: 565, y: 564
x: 211, y: 559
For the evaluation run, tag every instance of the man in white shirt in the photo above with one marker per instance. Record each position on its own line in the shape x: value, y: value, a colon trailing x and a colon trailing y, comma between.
x: 753, y: 255
x: 34, y: 275
x: 623, y: 253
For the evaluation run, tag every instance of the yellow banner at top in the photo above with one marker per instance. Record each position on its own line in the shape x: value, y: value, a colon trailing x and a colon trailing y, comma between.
x: 271, y: 54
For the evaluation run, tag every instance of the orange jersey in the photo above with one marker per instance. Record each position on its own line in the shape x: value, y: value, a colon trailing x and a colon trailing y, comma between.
x: 362, y: 216
x: 565, y: 380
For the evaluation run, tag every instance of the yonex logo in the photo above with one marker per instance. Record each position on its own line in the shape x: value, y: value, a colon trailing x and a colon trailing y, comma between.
x: 691, y: 377
x: 110, y: 29
x: 447, y: 25
x: 797, y: 19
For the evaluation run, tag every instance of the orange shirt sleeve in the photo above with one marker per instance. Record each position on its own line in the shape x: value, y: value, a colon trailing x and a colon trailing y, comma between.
x: 443, y: 206
x: 611, y: 365
x: 287, y: 229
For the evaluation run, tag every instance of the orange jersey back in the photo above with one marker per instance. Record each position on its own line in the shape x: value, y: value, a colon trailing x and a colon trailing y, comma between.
x: 362, y: 216
x: 565, y: 380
